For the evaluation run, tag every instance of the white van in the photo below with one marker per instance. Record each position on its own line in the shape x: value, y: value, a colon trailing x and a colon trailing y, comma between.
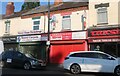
x: 1, y: 47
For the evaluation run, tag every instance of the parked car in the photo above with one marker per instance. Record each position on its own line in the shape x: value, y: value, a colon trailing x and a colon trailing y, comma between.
x: 92, y: 61
x: 18, y: 59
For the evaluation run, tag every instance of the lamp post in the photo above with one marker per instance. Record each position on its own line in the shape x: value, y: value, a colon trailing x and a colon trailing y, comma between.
x: 48, y: 20
x: 48, y: 40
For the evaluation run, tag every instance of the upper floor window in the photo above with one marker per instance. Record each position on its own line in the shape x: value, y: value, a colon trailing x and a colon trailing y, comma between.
x: 66, y: 22
x: 7, y: 27
x: 36, y: 23
x: 102, y: 16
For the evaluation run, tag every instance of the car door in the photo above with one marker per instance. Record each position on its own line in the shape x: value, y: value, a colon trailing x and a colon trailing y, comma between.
x: 89, y: 62
x: 98, y: 62
x: 18, y: 59
x: 106, y: 62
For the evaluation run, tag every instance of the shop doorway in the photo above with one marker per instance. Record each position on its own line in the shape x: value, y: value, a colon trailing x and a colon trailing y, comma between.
x: 36, y: 50
x: 10, y: 46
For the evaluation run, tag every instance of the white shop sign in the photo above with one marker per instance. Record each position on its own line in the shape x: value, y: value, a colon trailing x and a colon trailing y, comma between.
x: 68, y: 35
x: 29, y: 38
x: 79, y: 35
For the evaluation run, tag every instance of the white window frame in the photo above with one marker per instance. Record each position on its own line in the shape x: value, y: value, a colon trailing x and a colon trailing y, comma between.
x: 7, y: 26
x: 102, y: 19
x: 63, y: 25
x: 36, y: 24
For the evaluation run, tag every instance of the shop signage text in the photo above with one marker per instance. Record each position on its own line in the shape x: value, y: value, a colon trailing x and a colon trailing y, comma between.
x: 29, y: 32
x: 9, y: 39
x: 104, y: 40
x: 61, y: 36
x: 44, y: 37
x: 105, y: 32
x: 68, y: 36
x: 29, y: 38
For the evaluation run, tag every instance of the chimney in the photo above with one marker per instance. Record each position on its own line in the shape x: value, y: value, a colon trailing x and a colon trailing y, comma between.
x: 10, y: 8
x: 57, y: 2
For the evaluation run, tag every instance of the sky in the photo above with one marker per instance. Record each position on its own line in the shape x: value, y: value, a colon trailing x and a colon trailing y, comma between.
x: 18, y: 4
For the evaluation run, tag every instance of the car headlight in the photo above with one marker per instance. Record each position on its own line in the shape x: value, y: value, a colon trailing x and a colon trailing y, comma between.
x: 34, y: 62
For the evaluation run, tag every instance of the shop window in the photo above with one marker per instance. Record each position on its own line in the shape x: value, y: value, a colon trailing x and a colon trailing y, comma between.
x: 102, y: 15
x: 66, y: 23
x: 10, y: 46
x: 110, y: 48
x: 36, y: 50
x: 36, y: 23
x: 96, y: 47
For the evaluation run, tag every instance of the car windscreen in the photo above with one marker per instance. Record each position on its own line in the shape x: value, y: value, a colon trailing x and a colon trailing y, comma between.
x: 29, y: 55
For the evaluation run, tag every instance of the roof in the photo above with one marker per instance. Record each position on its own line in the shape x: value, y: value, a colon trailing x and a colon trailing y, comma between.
x: 37, y: 10
x: 62, y: 6
x: 44, y: 8
x: 67, y: 5
x: 15, y: 14
x: 86, y: 52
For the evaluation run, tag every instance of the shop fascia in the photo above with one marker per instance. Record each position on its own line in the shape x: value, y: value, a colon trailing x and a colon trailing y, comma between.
x: 68, y: 35
x: 105, y: 32
x: 25, y: 37
x: 29, y: 36
x: 106, y: 35
x: 9, y: 39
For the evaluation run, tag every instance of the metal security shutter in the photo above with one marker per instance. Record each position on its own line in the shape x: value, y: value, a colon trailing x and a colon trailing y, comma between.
x: 59, y: 52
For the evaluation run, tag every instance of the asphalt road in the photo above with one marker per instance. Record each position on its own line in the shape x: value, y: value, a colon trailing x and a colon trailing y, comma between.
x: 47, y: 72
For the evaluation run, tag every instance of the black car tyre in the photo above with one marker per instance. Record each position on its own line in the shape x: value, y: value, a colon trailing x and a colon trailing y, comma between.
x: 27, y: 66
x: 75, y: 69
x: 117, y: 71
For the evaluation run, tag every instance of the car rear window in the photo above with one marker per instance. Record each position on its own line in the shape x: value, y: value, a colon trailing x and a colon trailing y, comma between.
x: 7, y: 54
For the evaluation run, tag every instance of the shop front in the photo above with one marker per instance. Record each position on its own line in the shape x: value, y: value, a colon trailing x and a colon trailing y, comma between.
x: 10, y: 43
x: 65, y: 42
x: 106, y: 39
x: 33, y: 45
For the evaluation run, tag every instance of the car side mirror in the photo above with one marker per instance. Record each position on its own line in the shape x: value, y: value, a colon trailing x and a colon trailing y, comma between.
x: 111, y: 58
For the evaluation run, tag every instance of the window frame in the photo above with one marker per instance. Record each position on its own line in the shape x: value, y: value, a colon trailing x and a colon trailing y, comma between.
x: 36, y: 19
x: 7, y: 26
x: 63, y: 23
x: 100, y: 12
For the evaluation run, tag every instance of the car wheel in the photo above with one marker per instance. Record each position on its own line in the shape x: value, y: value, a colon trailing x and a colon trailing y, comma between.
x: 75, y: 69
x: 27, y: 66
x: 117, y: 71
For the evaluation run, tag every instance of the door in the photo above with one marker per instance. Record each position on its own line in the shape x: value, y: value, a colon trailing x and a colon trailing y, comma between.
x: 99, y: 62
x: 18, y: 59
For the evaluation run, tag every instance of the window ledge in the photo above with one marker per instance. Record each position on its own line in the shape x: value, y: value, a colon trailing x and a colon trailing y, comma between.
x: 102, y: 23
